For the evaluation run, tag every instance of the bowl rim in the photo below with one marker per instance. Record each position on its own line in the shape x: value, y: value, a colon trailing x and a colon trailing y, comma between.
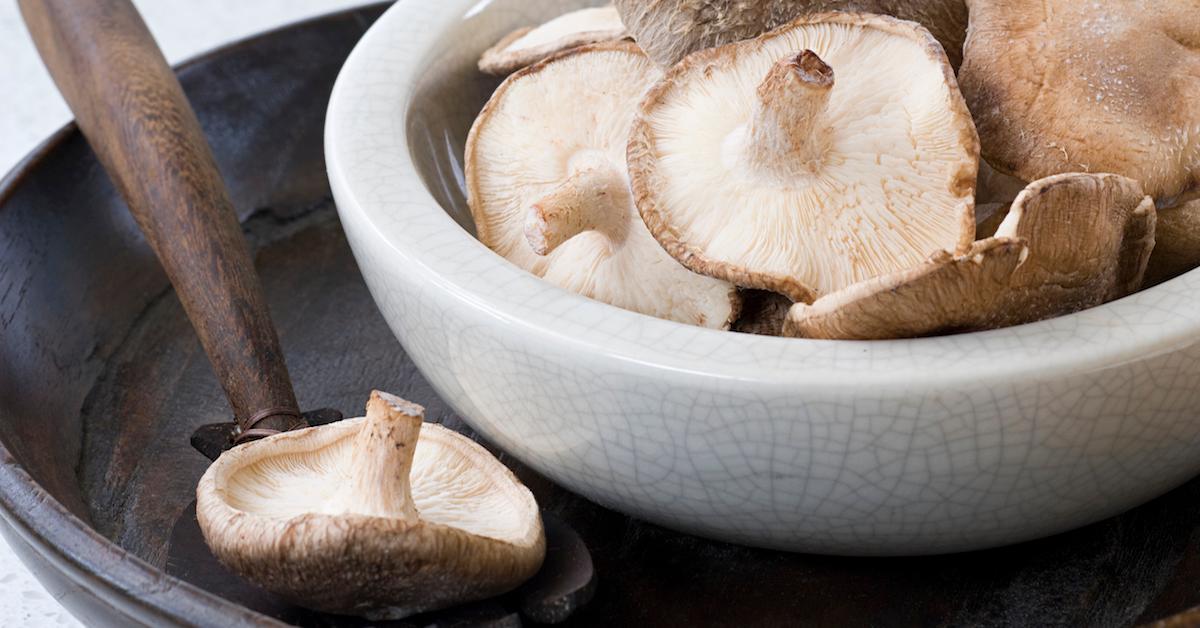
x: 377, y: 185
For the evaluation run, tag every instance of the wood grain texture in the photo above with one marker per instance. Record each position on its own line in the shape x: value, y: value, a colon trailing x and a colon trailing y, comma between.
x: 133, y: 112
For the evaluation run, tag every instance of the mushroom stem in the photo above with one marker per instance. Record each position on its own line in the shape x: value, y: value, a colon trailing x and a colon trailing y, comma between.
x: 383, y: 456
x: 786, y: 124
x: 593, y: 199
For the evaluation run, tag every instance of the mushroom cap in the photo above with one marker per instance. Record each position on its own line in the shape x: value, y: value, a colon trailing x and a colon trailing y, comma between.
x: 526, y: 46
x: 1069, y: 242
x: 1080, y: 86
x: 945, y: 294
x: 1176, y: 243
x: 893, y: 184
x: 285, y: 513
x: 669, y: 30
x: 1090, y: 237
x: 548, y: 127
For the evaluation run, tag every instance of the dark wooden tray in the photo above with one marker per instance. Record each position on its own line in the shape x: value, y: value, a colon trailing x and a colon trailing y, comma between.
x: 102, y: 381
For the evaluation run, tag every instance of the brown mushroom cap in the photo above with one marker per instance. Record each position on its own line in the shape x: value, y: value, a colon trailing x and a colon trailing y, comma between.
x: 1176, y: 243
x: 1070, y: 242
x: 526, y: 46
x: 669, y: 30
x: 853, y: 159
x: 549, y: 190
x: 1083, y: 86
x: 947, y: 293
x: 1090, y: 237
x: 348, y: 518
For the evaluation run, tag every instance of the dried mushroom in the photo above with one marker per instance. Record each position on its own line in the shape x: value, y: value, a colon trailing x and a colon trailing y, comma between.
x: 526, y: 46
x: 944, y: 294
x: 1070, y: 242
x: 1082, y: 86
x: 830, y: 151
x: 549, y: 191
x: 381, y: 516
x: 669, y: 30
x: 1176, y: 243
x: 1090, y: 237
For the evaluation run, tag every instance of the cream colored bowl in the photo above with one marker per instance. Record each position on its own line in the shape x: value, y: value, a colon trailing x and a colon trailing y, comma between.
x: 903, y: 447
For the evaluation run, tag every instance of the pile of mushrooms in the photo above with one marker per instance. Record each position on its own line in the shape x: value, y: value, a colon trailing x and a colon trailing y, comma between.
x: 812, y: 168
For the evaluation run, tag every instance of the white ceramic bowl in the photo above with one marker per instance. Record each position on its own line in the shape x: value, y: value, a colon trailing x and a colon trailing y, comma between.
x: 903, y: 447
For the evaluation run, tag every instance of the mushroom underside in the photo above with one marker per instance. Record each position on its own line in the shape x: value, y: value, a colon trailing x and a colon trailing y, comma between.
x: 948, y: 294
x: 287, y: 485
x: 549, y: 190
x: 829, y: 173
x: 1070, y: 242
x: 381, y: 516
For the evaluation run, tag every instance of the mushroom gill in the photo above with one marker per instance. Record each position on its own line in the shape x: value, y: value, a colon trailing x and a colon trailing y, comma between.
x: 549, y: 190
x: 382, y: 516
x: 1070, y: 242
x: 827, y: 152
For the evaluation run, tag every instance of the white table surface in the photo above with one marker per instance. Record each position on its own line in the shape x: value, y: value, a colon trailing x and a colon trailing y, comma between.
x: 31, y: 109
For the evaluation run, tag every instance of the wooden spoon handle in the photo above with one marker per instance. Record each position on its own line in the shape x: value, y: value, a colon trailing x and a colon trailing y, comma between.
x: 134, y: 114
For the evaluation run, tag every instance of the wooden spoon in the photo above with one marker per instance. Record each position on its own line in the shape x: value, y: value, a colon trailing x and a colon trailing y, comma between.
x: 132, y: 110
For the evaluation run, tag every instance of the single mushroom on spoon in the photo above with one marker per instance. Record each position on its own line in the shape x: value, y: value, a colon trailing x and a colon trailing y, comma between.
x: 1069, y: 242
x: 382, y: 516
x: 526, y: 46
x: 1081, y: 86
x: 830, y: 151
x: 669, y: 30
x: 549, y: 191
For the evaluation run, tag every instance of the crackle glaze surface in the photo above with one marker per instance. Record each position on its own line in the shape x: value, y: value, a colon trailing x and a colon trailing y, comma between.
x: 904, y: 447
